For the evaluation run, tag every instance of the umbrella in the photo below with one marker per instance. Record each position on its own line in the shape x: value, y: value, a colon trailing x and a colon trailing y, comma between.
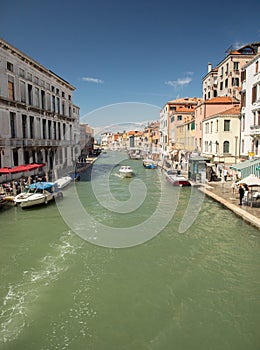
x: 250, y: 180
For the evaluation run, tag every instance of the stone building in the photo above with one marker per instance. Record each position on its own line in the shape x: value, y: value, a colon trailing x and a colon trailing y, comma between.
x: 38, y: 121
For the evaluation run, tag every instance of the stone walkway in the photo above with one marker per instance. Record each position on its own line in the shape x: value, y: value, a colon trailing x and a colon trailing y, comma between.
x: 223, y: 193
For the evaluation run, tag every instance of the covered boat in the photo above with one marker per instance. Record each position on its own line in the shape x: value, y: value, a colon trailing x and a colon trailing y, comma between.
x: 38, y: 193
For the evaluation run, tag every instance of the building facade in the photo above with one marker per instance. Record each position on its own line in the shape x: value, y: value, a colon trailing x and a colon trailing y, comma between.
x: 221, y: 135
x: 39, y: 122
x: 224, y: 80
x: 250, y: 111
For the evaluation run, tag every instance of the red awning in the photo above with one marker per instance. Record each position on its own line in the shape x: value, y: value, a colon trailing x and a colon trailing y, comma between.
x: 21, y: 168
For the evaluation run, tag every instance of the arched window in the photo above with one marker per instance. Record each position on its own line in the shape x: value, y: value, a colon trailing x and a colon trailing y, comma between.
x: 226, y: 147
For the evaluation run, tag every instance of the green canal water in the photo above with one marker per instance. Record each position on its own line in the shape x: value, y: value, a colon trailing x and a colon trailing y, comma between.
x: 197, y: 289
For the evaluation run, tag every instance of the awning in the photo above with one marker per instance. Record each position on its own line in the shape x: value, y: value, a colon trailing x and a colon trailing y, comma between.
x: 247, y: 167
x: 20, y: 168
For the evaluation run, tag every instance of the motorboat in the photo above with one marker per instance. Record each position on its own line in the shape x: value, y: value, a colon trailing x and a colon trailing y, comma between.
x: 63, y: 182
x: 126, y: 171
x: 38, y: 193
x: 150, y: 164
x: 177, y: 179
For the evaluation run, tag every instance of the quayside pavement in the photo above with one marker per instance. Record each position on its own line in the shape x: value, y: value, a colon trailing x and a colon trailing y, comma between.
x: 224, y: 194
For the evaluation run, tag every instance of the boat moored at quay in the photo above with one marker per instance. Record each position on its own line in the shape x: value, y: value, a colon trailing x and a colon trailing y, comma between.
x: 38, y: 193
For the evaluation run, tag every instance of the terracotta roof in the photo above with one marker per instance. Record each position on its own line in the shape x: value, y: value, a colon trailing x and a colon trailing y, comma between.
x: 221, y: 99
x: 231, y: 111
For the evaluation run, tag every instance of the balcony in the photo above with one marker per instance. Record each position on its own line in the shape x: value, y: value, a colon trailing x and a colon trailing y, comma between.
x: 255, y: 130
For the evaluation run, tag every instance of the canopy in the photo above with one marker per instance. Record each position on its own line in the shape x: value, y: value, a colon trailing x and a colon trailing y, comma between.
x: 20, y: 168
x: 247, y: 167
x: 42, y: 185
x: 250, y: 180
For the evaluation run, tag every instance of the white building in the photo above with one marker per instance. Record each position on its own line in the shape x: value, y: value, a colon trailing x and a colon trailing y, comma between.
x: 250, y: 112
x: 39, y: 122
x: 220, y: 136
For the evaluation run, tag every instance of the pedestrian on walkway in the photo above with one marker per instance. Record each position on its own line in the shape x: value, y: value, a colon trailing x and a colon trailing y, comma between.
x: 225, y: 173
x: 241, y: 193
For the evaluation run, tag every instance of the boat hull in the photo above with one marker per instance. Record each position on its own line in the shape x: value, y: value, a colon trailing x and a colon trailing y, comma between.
x: 180, y: 181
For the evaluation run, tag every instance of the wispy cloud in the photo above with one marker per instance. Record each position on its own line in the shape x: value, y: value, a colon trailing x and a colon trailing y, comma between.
x: 180, y: 82
x: 237, y: 45
x: 92, y: 80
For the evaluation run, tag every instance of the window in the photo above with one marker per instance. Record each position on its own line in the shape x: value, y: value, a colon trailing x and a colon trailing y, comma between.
x: 226, y: 147
x: 54, y: 131
x: 10, y: 66
x: 12, y: 124
x: 227, y: 68
x: 64, y: 133
x: 217, y: 147
x: 243, y: 99
x: 43, y: 99
x: 254, y: 94
x: 207, y: 128
x: 215, y: 93
x: 22, y: 89
x: 226, y: 125
x: 243, y: 146
x: 44, y: 128
x: 243, y: 75
x: 216, y: 125
x: 235, y: 81
x: 256, y: 67
x: 29, y: 76
x: 236, y: 65
x: 24, y: 126
x: 211, y: 126
x: 37, y: 97
x: 58, y: 105
x: 226, y: 83
x: 222, y: 71
x: 221, y: 85
x: 209, y: 94
x: 36, y: 80
x: 49, y: 129
x: 179, y: 117
x: 210, y: 147
x: 30, y: 97
x: 21, y: 73
x: 53, y: 103
x: 10, y: 89
x: 172, y: 108
x: 31, y: 127
x: 243, y: 123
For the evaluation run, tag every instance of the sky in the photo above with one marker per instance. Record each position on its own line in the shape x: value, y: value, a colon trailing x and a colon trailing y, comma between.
x: 128, y: 53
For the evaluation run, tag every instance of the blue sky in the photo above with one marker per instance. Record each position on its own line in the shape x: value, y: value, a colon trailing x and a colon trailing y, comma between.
x: 114, y: 51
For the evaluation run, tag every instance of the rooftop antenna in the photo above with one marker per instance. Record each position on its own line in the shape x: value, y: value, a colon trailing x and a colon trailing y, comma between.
x: 229, y: 49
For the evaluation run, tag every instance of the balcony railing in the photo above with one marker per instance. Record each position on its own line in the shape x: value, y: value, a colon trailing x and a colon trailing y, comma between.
x: 254, y: 130
x: 19, y: 143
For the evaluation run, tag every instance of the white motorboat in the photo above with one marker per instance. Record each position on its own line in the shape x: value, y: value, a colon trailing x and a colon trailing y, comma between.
x: 63, y: 182
x: 38, y: 193
x: 126, y: 171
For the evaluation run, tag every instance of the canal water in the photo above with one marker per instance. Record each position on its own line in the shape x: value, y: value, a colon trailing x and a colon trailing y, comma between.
x: 193, y: 288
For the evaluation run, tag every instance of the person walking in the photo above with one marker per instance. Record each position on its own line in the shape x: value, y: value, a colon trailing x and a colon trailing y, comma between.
x: 241, y: 193
x: 225, y: 173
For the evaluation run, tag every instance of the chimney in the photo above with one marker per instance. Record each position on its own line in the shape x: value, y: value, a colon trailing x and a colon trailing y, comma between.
x: 209, y: 67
